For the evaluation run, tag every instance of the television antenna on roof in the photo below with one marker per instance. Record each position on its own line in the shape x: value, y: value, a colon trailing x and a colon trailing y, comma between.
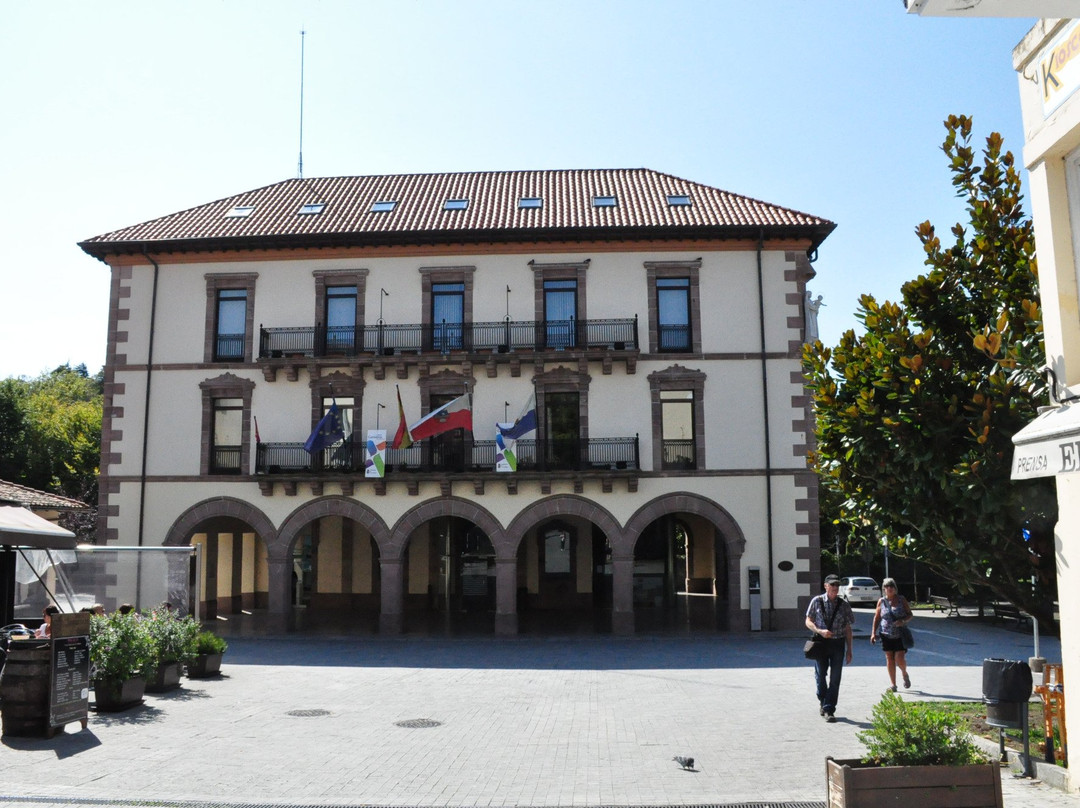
x: 300, y: 162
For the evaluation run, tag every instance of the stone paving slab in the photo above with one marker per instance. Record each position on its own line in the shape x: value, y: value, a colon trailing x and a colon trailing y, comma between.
x: 543, y: 721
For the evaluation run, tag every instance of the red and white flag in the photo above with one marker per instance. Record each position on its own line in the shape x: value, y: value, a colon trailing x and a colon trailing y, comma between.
x: 456, y: 414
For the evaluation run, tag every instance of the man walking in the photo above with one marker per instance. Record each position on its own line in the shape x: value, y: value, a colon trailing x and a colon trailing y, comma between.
x: 831, y: 618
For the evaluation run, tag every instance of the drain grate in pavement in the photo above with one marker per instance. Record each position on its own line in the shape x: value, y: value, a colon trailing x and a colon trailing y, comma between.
x: 151, y: 803
x: 307, y: 713
x: 418, y: 723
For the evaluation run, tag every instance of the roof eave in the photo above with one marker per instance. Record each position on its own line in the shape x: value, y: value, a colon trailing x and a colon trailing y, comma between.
x: 814, y: 233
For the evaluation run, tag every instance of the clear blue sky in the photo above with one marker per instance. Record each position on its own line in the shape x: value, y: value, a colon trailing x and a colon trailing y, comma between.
x: 119, y: 112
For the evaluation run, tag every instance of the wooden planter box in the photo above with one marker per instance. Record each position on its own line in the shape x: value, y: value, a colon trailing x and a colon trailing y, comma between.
x: 205, y: 665
x: 166, y: 677
x: 112, y: 695
x: 854, y: 784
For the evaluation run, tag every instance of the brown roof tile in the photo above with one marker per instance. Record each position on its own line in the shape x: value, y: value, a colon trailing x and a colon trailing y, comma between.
x: 493, y: 212
x: 15, y: 494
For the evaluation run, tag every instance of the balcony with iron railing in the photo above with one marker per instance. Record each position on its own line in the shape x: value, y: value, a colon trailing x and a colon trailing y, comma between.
x: 505, y: 337
x: 453, y: 457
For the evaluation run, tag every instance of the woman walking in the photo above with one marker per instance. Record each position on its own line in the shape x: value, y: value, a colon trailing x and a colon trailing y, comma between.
x: 892, y: 614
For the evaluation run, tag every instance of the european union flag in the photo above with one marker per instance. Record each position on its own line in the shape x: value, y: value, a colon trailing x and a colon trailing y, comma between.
x: 327, y: 432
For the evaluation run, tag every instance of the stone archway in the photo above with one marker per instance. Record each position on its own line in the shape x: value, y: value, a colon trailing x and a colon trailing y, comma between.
x: 342, y: 586
x: 457, y: 517
x: 569, y: 555
x: 719, y: 540
x: 238, y: 544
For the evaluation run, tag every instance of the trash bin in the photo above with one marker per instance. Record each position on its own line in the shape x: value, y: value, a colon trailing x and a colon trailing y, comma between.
x: 1006, y: 690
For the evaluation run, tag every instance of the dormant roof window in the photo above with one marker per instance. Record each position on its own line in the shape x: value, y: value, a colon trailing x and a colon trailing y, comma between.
x: 311, y: 208
x: 455, y: 204
x: 530, y: 202
x: 605, y: 202
x: 240, y: 212
x: 678, y: 200
x: 383, y: 207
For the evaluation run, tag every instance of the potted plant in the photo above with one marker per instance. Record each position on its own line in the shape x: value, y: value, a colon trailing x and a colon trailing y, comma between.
x: 121, y: 657
x: 209, y: 649
x: 174, y: 646
x: 916, y: 754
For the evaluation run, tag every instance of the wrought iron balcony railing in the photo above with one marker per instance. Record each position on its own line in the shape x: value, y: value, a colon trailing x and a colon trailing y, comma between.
x: 385, y: 339
x: 454, y: 456
x: 678, y: 454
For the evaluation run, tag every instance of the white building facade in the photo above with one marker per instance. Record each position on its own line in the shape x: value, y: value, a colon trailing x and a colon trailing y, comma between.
x: 655, y: 323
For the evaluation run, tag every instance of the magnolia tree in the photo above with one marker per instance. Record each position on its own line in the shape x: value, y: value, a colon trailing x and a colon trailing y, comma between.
x: 915, y: 416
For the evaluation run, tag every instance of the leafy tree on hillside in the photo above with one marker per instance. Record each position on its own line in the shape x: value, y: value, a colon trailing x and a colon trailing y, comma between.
x: 50, y: 434
x: 915, y: 416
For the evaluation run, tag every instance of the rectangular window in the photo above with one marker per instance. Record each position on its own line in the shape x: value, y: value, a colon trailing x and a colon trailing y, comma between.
x: 677, y: 429
x: 455, y: 204
x: 605, y: 202
x: 530, y: 202
x: 673, y: 314
x: 562, y: 430
x: 447, y: 315
x: 227, y: 435
x: 340, y: 319
x: 240, y: 212
x: 311, y: 209
x: 678, y: 200
x: 383, y: 207
x: 230, y: 333
x: 560, y: 313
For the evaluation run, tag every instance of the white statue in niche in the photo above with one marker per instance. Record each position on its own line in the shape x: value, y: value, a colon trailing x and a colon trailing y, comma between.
x: 812, y: 306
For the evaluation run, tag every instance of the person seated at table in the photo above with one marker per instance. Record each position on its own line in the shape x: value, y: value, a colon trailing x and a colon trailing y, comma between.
x: 44, y: 631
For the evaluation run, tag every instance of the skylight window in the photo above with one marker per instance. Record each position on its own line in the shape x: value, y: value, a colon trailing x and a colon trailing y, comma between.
x: 678, y: 199
x: 383, y: 207
x: 455, y: 204
x: 605, y: 202
x: 311, y: 208
x: 530, y: 202
x: 240, y: 212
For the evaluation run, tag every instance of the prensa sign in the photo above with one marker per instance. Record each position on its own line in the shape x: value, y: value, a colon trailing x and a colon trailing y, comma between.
x: 1059, y: 68
x: 1049, y: 445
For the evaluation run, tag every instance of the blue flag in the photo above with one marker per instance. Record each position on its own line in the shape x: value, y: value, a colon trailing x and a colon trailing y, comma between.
x: 522, y: 426
x: 327, y: 432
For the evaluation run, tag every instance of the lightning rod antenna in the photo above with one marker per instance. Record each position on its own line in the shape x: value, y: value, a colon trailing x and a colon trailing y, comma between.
x: 300, y: 162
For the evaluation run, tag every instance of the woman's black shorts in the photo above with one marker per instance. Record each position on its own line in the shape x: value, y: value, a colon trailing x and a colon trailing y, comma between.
x: 892, y: 644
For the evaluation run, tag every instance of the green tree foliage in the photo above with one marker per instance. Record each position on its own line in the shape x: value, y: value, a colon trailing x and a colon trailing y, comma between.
x: 915, y: 416
x: 50, y: 432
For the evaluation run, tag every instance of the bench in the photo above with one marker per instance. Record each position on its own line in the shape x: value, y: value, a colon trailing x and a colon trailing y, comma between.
x: 1007, y: 611
x: 944, y: 604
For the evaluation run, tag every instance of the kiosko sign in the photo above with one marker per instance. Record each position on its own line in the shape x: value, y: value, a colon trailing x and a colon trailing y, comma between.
x: 1049, y: 445
x: 1059, y: 68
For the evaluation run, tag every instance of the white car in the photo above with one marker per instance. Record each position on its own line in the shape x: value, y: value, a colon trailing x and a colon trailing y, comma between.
x: 859, y: 590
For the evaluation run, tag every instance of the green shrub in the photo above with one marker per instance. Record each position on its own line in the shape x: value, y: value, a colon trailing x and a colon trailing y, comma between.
x: 917, y: 734
x: 120, y: 647
x: 173, y: 637
x: 207, y: 642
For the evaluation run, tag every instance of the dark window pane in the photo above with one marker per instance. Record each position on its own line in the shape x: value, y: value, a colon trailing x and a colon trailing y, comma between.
x: 673, y: 310
x: 231, y: 324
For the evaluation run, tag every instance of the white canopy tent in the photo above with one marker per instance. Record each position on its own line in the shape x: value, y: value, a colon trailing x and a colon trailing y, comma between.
x: 23, y: 528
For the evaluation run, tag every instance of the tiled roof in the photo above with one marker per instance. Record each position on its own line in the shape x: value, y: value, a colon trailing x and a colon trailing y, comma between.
x: 493, y: 212
x: 14, y: 494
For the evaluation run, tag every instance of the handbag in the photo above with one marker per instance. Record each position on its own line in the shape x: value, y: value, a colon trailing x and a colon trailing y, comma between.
x: 907, y: 637
x: 817, y: 647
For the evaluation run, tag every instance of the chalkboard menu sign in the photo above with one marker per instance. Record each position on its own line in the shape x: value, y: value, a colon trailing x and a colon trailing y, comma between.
x: 69, y: 685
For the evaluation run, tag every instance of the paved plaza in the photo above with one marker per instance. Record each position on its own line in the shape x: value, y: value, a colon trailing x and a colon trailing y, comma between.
x: 523, y: 721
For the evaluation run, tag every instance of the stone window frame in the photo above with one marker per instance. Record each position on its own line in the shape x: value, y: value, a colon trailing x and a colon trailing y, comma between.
x: 674, y: 269
x: 562, y: 380
x: 448, y: 274
x: 326, y: 278
x: 218, y: 281
x: 337, y: 384
x: 560, y: 272
x: 677, y: 377
x: 226, y: 385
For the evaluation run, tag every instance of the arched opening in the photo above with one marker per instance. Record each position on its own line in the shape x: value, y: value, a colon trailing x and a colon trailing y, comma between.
x: 335, y: 580
x: 449, y: 578
x: 681, y: 575
x: 234, y: 580
x: 564, y: 577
